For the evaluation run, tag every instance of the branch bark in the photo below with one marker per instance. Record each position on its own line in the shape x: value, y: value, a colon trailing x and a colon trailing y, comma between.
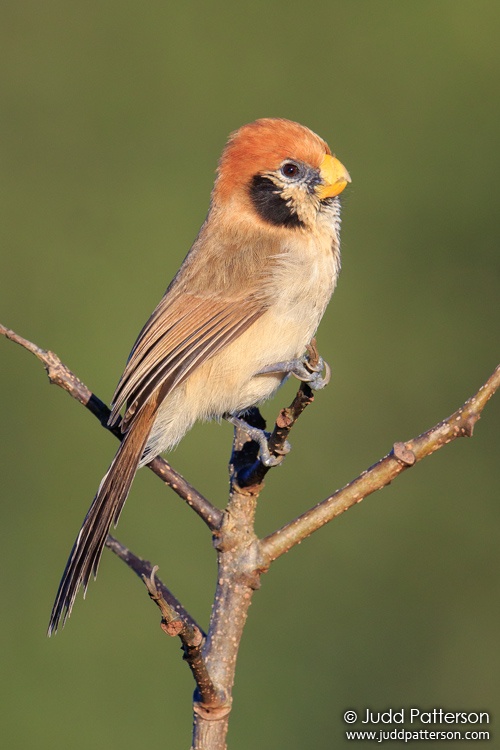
x: 238, y: 576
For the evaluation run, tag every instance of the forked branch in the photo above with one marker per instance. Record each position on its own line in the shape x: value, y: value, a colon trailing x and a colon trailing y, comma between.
x: 242, y: 557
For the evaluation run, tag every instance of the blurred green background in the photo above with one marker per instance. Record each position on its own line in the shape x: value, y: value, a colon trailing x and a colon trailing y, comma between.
x: 113, y: 116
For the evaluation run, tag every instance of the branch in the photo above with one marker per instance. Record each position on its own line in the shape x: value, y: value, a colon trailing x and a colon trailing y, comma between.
x: 247, y: 470
x: 192, y: 643
x: 62, y: 376
x: 402, y: 456
x: 175, y: 620
x: 288, y: 417
x: 144, y: 569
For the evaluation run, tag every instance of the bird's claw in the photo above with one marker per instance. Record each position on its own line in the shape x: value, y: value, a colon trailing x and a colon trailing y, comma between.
x: 265, y: 455
x: 261, y: 437
x: 303, y: 370
x: 318, y: 382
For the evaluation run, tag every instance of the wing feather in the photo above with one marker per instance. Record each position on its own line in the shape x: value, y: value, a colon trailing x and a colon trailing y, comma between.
x: 183, y: 332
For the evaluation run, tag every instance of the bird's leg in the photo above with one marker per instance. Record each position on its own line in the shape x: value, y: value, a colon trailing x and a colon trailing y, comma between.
x: 261, y: 437
x: 304, y: 370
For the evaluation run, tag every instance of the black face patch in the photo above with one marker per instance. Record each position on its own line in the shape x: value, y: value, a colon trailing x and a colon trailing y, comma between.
x: 270, y: 205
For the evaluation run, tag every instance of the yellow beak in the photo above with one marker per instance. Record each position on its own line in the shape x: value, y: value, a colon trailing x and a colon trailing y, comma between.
x: 334, y: 175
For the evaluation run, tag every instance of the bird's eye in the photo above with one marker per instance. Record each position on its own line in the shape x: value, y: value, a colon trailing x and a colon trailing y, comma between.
x: 289, y: 169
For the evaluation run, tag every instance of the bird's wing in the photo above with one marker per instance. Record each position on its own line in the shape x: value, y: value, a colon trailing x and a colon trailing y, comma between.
x: 183, y: 332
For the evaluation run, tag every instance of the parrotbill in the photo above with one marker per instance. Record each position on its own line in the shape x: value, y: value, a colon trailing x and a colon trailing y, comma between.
x: 236, y: 319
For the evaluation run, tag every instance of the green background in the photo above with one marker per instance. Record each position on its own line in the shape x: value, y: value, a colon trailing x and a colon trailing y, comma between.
x: 113, y: 115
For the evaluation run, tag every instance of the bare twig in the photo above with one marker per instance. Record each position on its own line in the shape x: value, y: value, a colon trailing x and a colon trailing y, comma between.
x: 248, y: 471
x: 62, y: 376
x: 287, y: 417
x: 176, y: 621
x: 191, y: 639
x: 401, y: 457
x: 143, y: 568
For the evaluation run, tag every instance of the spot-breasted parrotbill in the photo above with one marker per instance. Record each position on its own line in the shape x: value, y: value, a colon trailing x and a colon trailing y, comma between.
x: 249, y: 296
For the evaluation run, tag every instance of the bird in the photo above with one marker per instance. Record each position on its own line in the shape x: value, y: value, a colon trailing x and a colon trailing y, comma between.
x: 236, y: 319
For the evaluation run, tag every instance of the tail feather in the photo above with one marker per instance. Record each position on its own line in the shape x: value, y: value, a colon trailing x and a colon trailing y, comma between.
x: 108, y: 503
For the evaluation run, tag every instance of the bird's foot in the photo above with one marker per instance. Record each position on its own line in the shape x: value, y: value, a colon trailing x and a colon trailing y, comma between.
x: 261, y: 437
x: 312, y: 374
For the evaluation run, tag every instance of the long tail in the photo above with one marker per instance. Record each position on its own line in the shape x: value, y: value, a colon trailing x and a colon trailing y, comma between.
x: 105, y: 509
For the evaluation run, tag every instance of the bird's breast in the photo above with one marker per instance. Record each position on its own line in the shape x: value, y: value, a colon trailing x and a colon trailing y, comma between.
x: 298, y: 290
x: 303, y: 280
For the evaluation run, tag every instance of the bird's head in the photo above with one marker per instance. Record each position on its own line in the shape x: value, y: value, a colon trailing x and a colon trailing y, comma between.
x: 282, y: 173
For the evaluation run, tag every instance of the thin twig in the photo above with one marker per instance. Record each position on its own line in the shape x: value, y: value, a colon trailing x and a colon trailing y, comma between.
x: 191, y: 639
x: 248, y: 471
x: 143, y: 568
x: 176, y: 621
x: 287, y: 417
x: 62, y: 376
x: 402, y: 456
